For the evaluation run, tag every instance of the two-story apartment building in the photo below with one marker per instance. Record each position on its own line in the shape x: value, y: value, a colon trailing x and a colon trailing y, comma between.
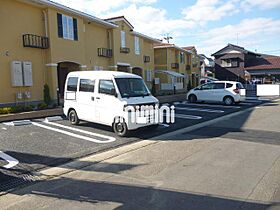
x: 172, y: 67
x: 133, y: 52
x: 43, y: 41
x: 195, y: 68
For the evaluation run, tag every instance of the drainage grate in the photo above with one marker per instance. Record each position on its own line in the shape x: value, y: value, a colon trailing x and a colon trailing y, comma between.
x: 12, y: 181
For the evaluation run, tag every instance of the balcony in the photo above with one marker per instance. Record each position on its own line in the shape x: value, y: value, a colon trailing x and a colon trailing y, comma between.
x: 147, y: 59
x: 174, y: 65
x: 105, y: 52
x: 124, y: 50
x: 188, y: 67
x: 35, y: 41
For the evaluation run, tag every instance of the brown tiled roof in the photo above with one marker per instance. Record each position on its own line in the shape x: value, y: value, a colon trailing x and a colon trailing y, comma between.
x: 188, y: 48
x: 263, y: 63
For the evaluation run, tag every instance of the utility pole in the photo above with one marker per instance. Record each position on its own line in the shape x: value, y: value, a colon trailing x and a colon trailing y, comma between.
x: 167, y: 38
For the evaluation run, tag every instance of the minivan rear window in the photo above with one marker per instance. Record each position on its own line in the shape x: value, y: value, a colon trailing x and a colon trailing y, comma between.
x: 239, y: 86
x: 229, y: 85
x: 72, y: 84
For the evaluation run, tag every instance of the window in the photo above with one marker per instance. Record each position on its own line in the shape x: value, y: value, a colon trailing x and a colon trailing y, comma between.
x: 219, y: 86
x: 231, y: 62
x: 72, y: 84
x: 229, y: 85
x: 182, y: 57
x: 106, y: 86
x: 67, y: 27
x: 137, y: 45
x: 149, y: 76
x: 207, y: 86
x: 123, y: 39
x: 86, y: 85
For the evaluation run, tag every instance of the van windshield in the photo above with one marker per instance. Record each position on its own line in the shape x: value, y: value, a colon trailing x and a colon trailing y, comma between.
x: 132, y: 87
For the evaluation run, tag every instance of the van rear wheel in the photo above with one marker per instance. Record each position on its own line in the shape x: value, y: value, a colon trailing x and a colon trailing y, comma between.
x: 73, y: 117
x: 120, y: 128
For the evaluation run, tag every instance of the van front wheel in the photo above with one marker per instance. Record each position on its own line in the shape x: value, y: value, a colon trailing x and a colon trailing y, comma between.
x: 73, y: 117
x: 120, y: 128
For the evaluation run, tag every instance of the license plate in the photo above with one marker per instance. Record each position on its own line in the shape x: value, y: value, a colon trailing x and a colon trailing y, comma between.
x: 141, y: 120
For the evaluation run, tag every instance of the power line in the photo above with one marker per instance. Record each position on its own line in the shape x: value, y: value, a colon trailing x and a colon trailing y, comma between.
x: 273, y: 50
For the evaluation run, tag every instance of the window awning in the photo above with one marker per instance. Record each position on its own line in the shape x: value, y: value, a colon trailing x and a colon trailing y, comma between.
x: 171, y: 73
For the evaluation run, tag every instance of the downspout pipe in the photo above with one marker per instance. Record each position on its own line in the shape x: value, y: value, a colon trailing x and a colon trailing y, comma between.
x: 45, y: 23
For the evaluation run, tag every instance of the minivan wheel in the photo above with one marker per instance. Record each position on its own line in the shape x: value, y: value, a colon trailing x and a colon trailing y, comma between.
x: 73, y: 117
x: 192, y: 99
x: 120, y: 128
x: 228, y: 100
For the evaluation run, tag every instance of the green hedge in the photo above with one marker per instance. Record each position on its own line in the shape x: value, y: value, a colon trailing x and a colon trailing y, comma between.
x: 22, y: 108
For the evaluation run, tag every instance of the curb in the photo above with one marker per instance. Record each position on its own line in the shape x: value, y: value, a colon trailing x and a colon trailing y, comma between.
x: 172, y: 98
x: 31, y: 115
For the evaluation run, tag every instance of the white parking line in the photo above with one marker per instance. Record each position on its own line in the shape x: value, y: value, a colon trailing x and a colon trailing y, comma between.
x: 252, y: 101
x: 200, y: 110
x: 176, y: 103
x: 212, y: 105
x: 110, y: 139
x: 11, y: 161
x: 190, y: 117
x: 246, y: 103
x: 164, y: 125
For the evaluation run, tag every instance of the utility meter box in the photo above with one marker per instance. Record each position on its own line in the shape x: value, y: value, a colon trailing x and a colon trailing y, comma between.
x: 27, y: 73
x: 16, y: 74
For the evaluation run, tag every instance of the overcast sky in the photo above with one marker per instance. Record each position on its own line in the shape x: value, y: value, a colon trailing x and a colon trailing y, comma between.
x: 207, y: 24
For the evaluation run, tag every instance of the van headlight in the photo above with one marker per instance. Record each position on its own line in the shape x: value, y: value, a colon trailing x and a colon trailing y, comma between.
x: 130, y: 107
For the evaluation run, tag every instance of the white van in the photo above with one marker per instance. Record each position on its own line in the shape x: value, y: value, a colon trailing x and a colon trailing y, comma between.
x: 102, y: 96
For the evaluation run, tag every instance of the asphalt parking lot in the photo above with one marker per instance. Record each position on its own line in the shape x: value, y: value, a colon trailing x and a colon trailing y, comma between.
x: 28, y: 148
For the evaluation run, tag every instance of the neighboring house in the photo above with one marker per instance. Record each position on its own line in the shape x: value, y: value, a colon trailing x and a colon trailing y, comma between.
x: 195, y: 66
x: 238, y: 64
x: 172, y: 67
x: 133, y: 52
x: 207, y: 66
x: 264, y: 69
x: 43, y: 41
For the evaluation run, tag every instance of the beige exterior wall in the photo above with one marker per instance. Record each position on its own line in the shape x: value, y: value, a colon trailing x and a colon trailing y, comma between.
x: 17, y: 19
x: 96, y: 37
x: 64, y: 49
x: 131, y: 58
x: 195, y: 68
x: 164, y: 57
